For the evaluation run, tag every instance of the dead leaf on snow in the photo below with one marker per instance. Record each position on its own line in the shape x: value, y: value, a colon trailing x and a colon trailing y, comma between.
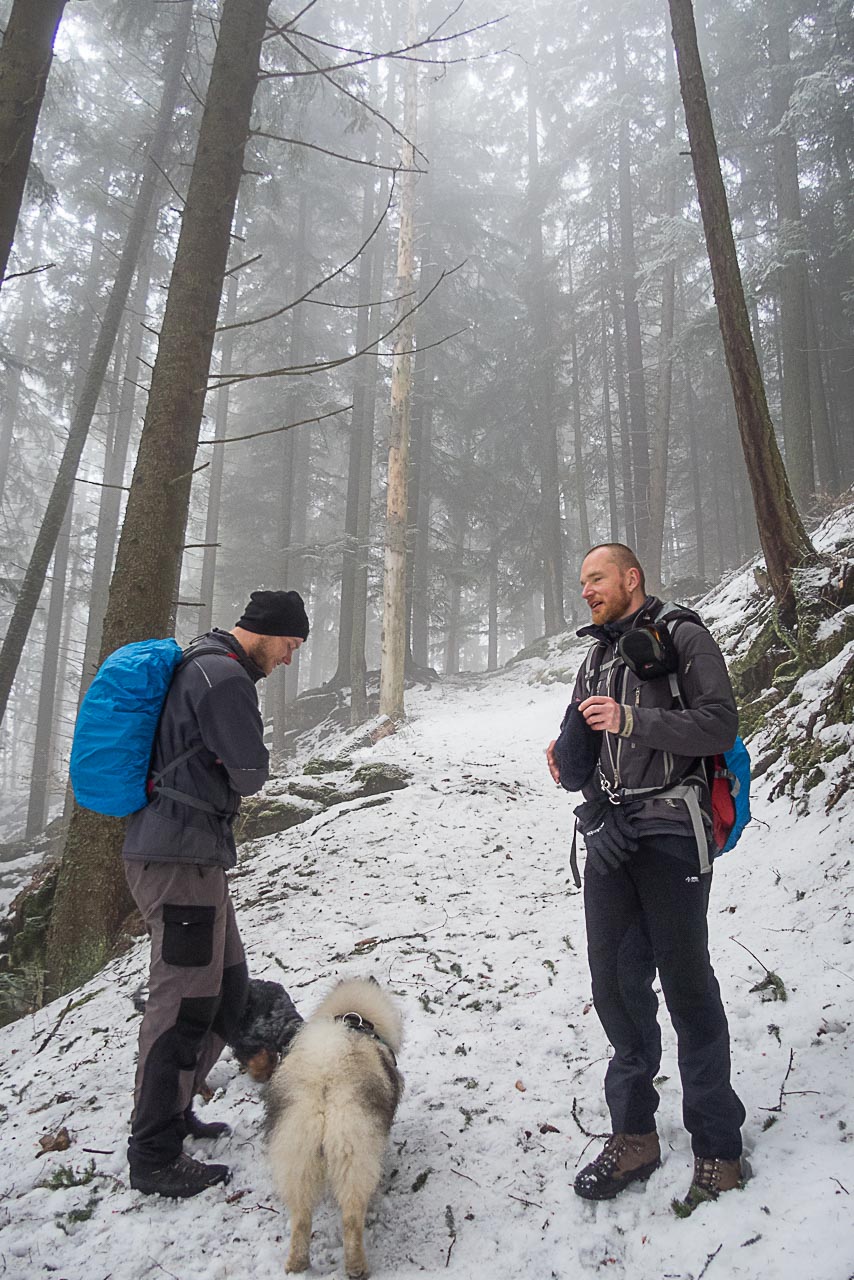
x: 59, y: 1141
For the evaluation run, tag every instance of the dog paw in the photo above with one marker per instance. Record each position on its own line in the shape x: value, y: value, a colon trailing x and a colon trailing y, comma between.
x: 296, y: 1263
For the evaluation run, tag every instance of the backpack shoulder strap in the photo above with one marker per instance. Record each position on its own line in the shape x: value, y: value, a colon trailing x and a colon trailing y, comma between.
x: 593, y: 665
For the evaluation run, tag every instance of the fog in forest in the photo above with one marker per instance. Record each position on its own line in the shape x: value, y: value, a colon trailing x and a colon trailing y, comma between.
x: 500, y: 192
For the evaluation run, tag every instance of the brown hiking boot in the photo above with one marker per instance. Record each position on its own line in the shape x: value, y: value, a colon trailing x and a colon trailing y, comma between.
x: 711, y: 1177
x: 625, y: 1158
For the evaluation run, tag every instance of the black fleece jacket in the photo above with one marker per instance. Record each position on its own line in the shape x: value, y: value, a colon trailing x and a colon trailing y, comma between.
x: 212, y: 705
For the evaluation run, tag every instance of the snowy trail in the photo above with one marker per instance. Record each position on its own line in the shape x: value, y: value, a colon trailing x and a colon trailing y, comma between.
x: 454, y: 891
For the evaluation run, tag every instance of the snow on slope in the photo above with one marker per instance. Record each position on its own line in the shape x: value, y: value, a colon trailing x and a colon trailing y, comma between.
x: 455, y: 892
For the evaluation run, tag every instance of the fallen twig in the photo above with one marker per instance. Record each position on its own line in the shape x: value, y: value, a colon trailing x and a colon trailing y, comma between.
x: 710, y: 1259
x: 44, y: 1044
x: 586, y: 1132
x: 522, y: 1200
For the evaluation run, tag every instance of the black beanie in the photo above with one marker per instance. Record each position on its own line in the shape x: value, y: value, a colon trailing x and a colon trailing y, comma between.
x: 576, y: 749
x: 275, y: 613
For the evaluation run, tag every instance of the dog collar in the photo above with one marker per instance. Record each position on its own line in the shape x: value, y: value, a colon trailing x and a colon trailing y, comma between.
x: 355, y: 1022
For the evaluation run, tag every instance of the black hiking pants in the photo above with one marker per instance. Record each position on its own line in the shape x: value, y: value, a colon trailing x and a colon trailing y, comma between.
x: 196, y: 995
x: 651, y: 915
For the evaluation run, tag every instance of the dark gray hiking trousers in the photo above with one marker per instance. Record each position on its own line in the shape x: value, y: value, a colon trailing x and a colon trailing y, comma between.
x: 197, y: 993
x: 650, y: 915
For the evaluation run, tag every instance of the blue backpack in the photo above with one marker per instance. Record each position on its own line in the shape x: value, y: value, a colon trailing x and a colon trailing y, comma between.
x: 117, y: 723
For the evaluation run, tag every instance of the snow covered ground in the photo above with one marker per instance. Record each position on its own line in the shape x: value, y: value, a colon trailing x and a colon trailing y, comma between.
x: 455, y: 892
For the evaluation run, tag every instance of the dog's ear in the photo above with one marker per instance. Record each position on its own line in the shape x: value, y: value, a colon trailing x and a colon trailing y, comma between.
x: 372, y: 979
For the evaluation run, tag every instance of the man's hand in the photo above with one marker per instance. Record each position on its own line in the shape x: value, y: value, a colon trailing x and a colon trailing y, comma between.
x: 552, y: 762
x: 601, y: 713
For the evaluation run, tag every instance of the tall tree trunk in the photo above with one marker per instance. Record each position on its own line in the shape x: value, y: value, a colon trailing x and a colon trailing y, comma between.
x: 827, y: 460
x: 634, y: 344
x: 21, y: 347
x: 492, y: 612
x: 578, y: 454
x: 25, y: 58
x: 613, y: 516
x: 37, y: 808
x: 91, y: 896
x: 114, y: 474
x: 226, y: 351
x: 299, y: 564
x: 542, y: 387
x: 794, y: 283
x: 358, y: 690
x: 281, y: 692
x: 661, y: 440
x: 784, y: 539
x: 397, y: 508
x: 364, y: 369
x: 620, y: 385
x: 31, y: 587
x: 694, y: 453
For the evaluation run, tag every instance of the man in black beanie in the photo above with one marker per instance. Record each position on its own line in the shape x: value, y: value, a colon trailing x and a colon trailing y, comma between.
x: 208, y: 753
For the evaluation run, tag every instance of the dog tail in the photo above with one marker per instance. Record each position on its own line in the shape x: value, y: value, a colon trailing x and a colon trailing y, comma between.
x: 353, y: 1154
x: 297, y: 1158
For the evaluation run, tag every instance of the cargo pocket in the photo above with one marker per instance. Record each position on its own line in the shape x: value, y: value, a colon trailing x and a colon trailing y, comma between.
x: 188, y: 934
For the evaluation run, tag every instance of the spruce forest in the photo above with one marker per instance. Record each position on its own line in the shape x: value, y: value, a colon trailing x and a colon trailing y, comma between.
x: 404, y: 306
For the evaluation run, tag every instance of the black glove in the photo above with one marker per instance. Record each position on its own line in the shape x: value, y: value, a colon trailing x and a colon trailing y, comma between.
x: 608, y: 831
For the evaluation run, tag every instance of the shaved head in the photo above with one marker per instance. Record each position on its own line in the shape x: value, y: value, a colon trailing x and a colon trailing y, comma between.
x: 623, y: 557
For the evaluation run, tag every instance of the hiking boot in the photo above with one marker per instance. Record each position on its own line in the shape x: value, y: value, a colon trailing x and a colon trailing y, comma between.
x: 181, y: 1178
x: 711, y: 1177
x: 197, y: 1128
x: 625, y: 1158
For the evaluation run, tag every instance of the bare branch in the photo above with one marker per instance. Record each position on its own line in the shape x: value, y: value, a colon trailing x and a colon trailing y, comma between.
x: 245, y: 324
x: 361, y: 102
x: 276, y: 30
x: 362, y: 56
x: 33, y: 271
x: 240, y: 266
x: 361, y: 306
x: 167, y: 179
x: 313, y: 146
x: 271, y: 431
x: 321, y: 366
x: 102, y: 484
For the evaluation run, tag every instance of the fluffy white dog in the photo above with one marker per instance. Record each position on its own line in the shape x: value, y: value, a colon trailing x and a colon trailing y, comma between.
x: 330, y: 1105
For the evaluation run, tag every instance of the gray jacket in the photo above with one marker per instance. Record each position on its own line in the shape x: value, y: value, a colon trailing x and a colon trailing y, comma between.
x: 660, y: 742
x: 212, y: 705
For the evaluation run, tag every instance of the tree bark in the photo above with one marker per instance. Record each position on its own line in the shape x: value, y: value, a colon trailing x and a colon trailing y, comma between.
x: 578, y: 453
x: 784, y: 539
x: 281, y: 692
x: 115, y: 464
x: 226, y: 351
x: 37, y: 808
x: 652, y: 553
x: 25, y: 58
x: 794, y: 283
x: 21, y: 345
x: 393, y: 663
x: 620, y: 386
x: 358, y: 672
x: 634, y: 343
x: 542, y: 388
x: 827, y: 461
x: 607, y: 423
x: 363, y: 372
x: 91, y: 896
x: 694, y: 454
x: 34, y: 577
